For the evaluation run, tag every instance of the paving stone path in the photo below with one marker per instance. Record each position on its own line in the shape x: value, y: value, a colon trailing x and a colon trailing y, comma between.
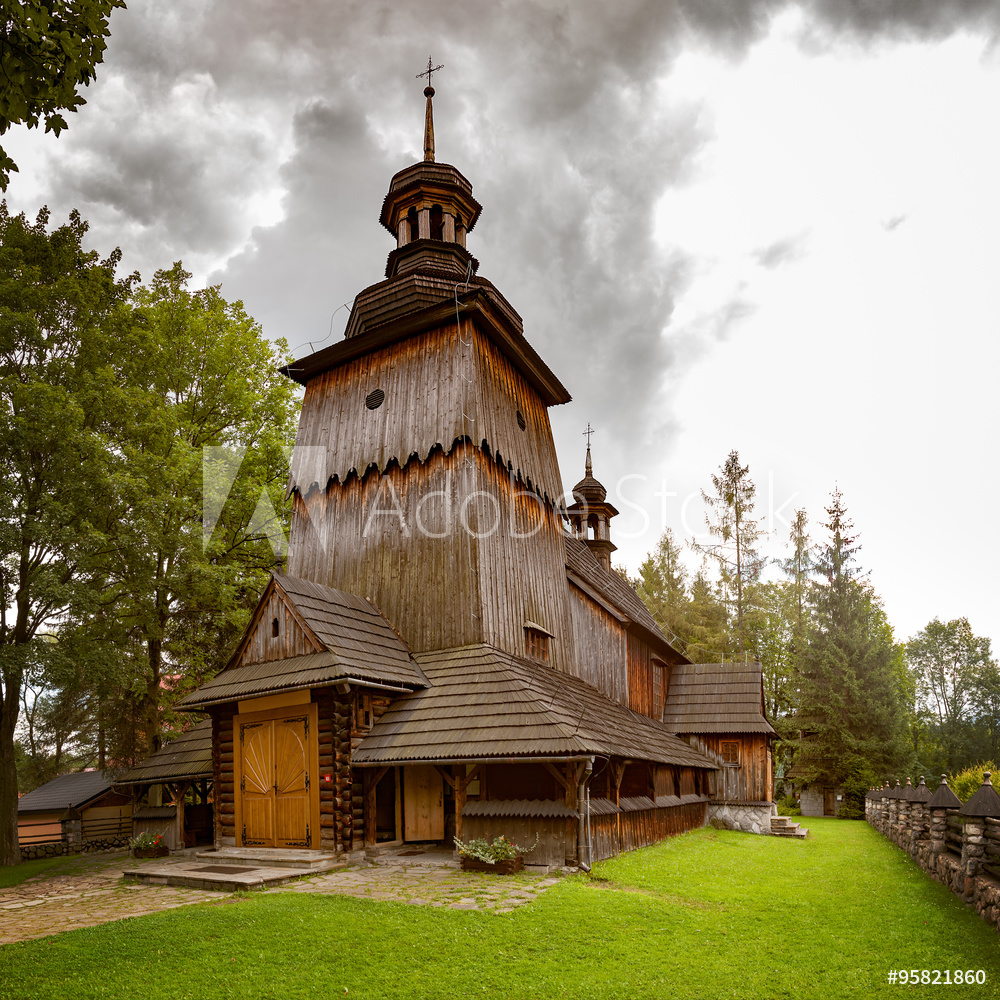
x: 89, y: 890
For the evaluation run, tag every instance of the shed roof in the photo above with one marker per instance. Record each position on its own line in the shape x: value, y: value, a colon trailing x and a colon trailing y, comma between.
x: 187, y: 756
x: 77, y: 789
x: 359, y: 644
x: 484, y: 703
x: 715, y: 698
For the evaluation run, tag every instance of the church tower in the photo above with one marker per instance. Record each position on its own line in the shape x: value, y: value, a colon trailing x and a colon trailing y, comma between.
x: 424, y: 472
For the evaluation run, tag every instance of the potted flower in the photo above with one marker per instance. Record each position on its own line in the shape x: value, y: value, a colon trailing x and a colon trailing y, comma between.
x: 148, y: 845
x: 502, y: 857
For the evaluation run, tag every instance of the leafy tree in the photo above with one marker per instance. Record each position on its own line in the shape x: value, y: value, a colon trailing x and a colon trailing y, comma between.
x: 852, y: 702
x: 48, y: 50
x: 110, y: 592
x: 61, y: 315
x: 738, y: 532
x: 947, y: 661
x: 200, y: 375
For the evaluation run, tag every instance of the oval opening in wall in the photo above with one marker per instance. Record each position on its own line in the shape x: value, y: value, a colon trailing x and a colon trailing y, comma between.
x: 375, y: 399
x: 521, y: 421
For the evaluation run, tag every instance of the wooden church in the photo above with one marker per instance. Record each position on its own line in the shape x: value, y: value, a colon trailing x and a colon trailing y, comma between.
x: 450, y: 652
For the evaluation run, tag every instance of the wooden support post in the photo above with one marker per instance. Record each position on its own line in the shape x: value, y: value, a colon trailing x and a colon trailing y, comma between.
x: 399, y: 803
x: 618, y: 774
x: 370, y: 780
x: 460, y: 784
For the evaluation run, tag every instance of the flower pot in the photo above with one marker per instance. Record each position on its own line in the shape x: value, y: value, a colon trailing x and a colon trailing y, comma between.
x: 151, y: 852
x: 497, y: 867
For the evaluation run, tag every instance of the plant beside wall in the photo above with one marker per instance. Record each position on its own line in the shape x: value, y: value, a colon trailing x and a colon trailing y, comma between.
x: 148, y: 845
x: 503, y: 856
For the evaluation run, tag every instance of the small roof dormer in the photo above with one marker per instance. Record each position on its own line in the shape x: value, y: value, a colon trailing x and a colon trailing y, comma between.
x: 429, y: 209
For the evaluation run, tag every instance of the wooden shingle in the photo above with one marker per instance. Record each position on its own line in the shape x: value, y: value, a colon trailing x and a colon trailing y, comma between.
x: 484, y: 703
x: 715, y: 698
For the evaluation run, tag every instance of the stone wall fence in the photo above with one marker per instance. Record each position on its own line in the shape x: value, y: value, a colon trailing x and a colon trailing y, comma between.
x: 956, y: 844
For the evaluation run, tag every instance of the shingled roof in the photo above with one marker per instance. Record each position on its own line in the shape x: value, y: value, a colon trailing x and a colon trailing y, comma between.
x: 485, y: 703
x: 77, y: 789
x: 609, y: 589
x: 715, y: 698
x: 358, y: 644
x: 187, y: 756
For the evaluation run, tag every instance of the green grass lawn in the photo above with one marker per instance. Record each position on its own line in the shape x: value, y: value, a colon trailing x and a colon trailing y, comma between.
x: 17, y: 874
x: 710, y: 914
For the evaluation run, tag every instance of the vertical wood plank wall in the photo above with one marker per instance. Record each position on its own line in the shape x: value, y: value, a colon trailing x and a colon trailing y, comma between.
x: 640, y: 677
x: 446, y: 591
x: 556, y: 835
x: 439, y: 388
x: 261, y: 646
x: 599, y: 643
x: 612, y: 834
x: 751, y: 781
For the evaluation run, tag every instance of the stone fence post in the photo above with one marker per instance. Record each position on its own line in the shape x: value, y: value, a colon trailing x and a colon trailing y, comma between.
x: 985, y: 802
x: 903, y: 835
x: 72, y: 830
x: 919, y: 818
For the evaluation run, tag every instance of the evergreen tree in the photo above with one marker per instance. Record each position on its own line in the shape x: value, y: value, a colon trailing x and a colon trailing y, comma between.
x: 739, y: 562
x: 662, y: 586
x: 852, y: 688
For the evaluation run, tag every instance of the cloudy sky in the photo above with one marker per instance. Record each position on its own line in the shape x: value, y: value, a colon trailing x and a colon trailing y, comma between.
x: 763, y: 225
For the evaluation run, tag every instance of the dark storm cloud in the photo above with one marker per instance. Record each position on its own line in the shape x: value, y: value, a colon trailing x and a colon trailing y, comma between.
x: 554, y: 110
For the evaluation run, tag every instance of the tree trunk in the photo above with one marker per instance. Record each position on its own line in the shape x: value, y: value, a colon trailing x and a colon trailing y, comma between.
x: 10, y: 852
x: 151, y: 700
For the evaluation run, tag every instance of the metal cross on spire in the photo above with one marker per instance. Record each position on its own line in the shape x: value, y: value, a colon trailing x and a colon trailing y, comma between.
x: 588, y: 432
x: 431, y: 68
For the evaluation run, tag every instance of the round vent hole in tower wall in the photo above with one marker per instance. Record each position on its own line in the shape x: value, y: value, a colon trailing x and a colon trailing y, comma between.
x: 520, y: 420
x: 375, y: 399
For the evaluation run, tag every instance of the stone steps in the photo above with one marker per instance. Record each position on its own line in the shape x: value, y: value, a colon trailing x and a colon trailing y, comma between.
x: 232, y: 869
x: 782, y: 826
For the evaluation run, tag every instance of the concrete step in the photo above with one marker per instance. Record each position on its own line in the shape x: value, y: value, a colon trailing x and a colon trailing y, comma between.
x: 208, y: 871
x: 782, y: 826
x: 272, y: 857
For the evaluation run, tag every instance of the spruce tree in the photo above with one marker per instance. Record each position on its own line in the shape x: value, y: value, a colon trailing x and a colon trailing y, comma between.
x: 737, y: 532
x: 852, y: 709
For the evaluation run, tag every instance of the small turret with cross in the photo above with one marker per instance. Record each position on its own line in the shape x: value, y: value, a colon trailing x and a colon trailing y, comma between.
x: 591, y: 514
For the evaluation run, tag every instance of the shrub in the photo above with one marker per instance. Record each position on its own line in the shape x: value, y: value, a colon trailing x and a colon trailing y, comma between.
x: 965, y: 783
x: 501, y: 849
x: 788, y: 806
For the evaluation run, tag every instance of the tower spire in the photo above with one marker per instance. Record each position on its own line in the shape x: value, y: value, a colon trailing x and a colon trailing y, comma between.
x: 429, y: 113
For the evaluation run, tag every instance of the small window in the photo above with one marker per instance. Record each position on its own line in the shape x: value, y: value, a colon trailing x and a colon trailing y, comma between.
x: 537, y: 644
x: 437, y: 223
x: 375, y: 399
x: 363, y: 715
x: 731, y: 754
x: 275, y: 628
x: 521, y: 422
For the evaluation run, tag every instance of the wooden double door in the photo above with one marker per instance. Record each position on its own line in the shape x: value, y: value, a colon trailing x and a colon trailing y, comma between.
x: 276, y: 772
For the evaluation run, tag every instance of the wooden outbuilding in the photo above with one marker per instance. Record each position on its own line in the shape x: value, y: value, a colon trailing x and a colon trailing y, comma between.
x: 172, y: 790
x: 105, y: 812
x: 719, y: 709
x: 449, y: 652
